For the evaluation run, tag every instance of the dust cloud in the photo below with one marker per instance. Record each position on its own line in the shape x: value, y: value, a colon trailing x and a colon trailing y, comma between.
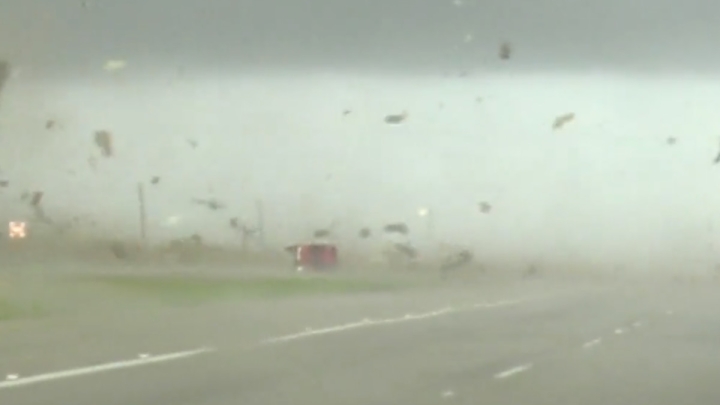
x: 603, y: 189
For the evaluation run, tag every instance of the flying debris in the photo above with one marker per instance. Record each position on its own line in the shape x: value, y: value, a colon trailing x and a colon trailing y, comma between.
x: 396, y: 118
x: 485, y: 207
x: 406, y: 249
x: 364, y: 233
x: 193, y: 143
x: 671, y: 141
x: 505, y: 51
x: 36, y: 198
x: 456, y: 260
x: 103, y: 140
x: 346, y: 112
x: 400, y: 228
x: 212, y: 204
x: 50, y: 124
x: 155, y: 180
x: 561, y: 120
x: 321, y: 233
x: 4, y: 183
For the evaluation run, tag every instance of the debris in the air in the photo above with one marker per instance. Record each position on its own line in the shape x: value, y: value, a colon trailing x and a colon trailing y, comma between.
x: 155, y: 180
x: 406, y: 249
x: 347, y: 112
x: 505, y: 51
x: 456, y: 260
x: 118, y: 250
x: 4, y: 183
x: 484, y: 207
x: 321, y: 233
x: 50, y: 124
x: 212, y: 204
x: 193, y: 143
x: 671, y: 140
x: 396, y: 118
x: 364, y: 233
x: 196, y: 238
x: 234, y: 223
x: 561, y: 120
x: 36, y: 198
x: 478, y: 99
x: 115, y: 64
x: 103, y: 140
x: 397, y: 228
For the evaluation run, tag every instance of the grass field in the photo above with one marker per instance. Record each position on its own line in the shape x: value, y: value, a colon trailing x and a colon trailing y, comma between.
x: 197, y: 290
x: 12, y: 310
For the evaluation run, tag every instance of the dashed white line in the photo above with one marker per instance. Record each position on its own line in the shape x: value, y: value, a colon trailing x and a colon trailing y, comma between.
x: 592, y: 343
x: 513, y: 371
x: 13, y: 380
x: 365, y: 323
x: 619, y: 331
x: 77, y: 372
x: 637, y: 324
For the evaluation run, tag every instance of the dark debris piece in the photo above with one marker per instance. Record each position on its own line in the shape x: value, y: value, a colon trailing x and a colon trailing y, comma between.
x: 400, y: 228
x: 234, y: 223
x: 50, y: 124
x: 485, y: 207
x: 457, y: 260
x: 321, y: 233
x: 118, y: 250
x: 505, y: 51
x: 212, y: 204
x: 406, y: 249
x: 4, y: 183
x: 347, y: 112
x: 671, y: 141
x: 396, y: 118
x: 103, y: 140
x: 36, y: 199
x: 364, y: 233
x: 155, y: 180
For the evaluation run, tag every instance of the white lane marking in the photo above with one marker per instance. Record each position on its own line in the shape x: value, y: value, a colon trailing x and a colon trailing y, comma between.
x: 637, y: 324
x: 592, y: 343
x: 619, y: 331
x: 515, y: 370
x: 12, y: 377
x: 448, y: 394
x: 77, y: 372
x: 365, y: 323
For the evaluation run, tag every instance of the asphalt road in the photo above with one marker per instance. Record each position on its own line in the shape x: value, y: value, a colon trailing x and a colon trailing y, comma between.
x: 655, y: 344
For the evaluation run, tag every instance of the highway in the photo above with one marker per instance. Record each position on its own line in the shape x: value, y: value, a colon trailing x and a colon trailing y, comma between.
x: 615, y: 344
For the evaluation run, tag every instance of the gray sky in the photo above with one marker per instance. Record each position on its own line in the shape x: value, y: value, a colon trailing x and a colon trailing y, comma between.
x: 382, y: 34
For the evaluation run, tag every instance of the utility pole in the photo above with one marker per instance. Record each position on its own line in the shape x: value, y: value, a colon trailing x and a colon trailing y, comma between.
x: 142, y: 212
x: 260, y: 210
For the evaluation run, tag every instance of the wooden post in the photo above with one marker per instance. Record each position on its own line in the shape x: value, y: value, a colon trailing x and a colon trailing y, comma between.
x: 260, y: 227
x: 143, y: 214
